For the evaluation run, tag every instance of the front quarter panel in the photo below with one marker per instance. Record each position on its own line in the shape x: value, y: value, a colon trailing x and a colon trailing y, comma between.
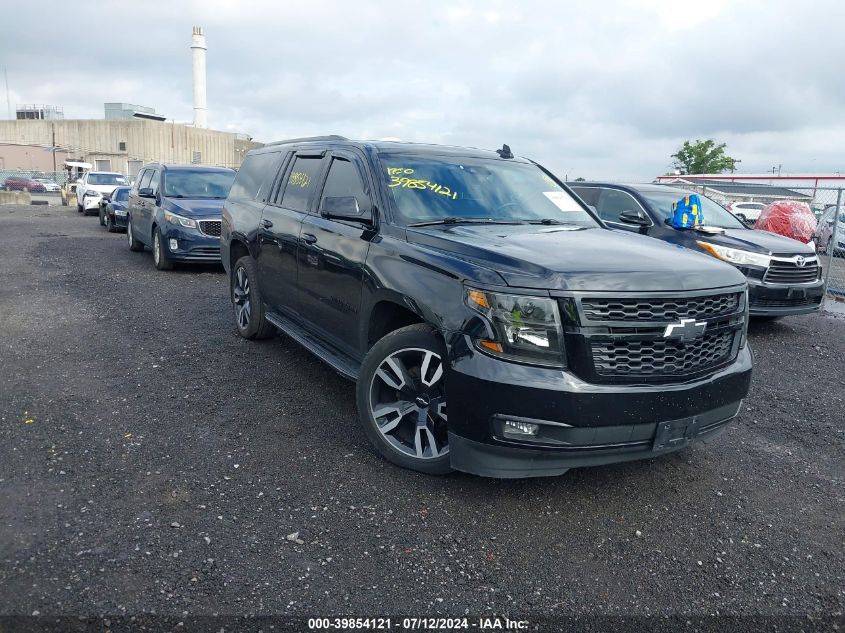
x: 427, y: 282
x: 239, y: 223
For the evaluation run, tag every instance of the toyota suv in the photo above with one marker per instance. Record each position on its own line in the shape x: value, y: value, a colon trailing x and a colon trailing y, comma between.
x: 784, y: 275
x: 490, y: 320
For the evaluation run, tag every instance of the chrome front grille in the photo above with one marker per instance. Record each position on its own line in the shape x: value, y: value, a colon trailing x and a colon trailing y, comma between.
x: 787, y: 271
x: 210, y: 227
x: 659, y: 309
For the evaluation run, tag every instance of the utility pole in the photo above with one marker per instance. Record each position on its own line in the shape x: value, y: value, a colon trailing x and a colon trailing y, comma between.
x: 53, y: 127
x: 8, y: 100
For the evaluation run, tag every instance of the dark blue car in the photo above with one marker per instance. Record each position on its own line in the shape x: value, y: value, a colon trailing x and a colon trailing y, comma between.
x: 784, y: 276
x: 113, y: 209
x: 176, y: 211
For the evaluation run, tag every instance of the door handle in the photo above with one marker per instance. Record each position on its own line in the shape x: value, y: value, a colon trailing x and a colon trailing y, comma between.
x: 267, y: 224
x: 308, y: 238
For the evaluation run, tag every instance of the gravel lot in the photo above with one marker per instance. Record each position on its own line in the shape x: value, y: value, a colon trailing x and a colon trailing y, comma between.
x: 152, y: 461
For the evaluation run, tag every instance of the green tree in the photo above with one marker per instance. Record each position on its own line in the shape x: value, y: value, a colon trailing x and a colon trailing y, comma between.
x: 703, y: 157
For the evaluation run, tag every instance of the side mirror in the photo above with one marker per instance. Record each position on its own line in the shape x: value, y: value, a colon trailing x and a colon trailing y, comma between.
x: 146, y: 192
x: 636, y: 218
x: 344, y: 208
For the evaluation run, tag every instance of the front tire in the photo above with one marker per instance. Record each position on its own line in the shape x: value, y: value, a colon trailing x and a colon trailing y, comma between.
x: 102, y: 219
x: 247, y: 303
x: 134, y: 245
x: 401, y: 399
x: 162, y: 261
x: 109, y: 224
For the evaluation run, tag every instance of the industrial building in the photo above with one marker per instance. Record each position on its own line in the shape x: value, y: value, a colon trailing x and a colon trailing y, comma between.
x: 41, y: 139
x: 115, y: 145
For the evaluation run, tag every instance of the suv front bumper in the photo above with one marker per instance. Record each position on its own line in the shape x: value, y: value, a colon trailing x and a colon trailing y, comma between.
x: 766, y: 299
x: 90, y: 202
x: 580, y: 424
x: 191, y: 245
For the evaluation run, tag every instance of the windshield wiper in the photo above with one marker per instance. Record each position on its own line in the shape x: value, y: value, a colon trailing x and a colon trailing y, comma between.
x: 553, y: 222
x: 458, y: 220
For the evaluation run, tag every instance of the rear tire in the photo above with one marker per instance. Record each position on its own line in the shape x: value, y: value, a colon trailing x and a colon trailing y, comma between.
x: 134, y: 245
x: 401, y: 399
x: 247, y: 304
x: 160, y: 258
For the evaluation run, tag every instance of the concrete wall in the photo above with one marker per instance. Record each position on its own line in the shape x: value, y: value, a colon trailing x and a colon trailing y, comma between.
x: 92, y: 140
x: 29, y: 158
x: 15, y: 197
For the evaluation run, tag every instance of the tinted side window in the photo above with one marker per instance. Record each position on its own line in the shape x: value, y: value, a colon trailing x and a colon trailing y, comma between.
x: 612, y: 202
x: 154, y: 180
x: 590, y: 195
x: 144, y: 178
x: 344, y: 180
x: 254, y: 171
x: 300, y: 183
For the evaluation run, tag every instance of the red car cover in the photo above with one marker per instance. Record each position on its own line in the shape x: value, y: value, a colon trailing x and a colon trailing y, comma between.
x: 788, y: 217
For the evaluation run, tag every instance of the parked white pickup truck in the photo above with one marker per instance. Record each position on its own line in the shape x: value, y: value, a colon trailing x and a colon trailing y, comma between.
x: 92, y: 186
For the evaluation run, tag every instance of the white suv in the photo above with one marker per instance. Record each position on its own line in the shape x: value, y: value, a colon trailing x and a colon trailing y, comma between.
x: 746, y: 211
x: 92, y: 186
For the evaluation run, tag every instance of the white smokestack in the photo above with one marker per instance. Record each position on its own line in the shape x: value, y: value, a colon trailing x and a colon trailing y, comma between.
x: 198, y: 49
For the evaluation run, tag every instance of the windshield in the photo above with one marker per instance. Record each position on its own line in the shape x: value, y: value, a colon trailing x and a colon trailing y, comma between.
x: 106, y: 179
x: 436, y: 189
x: 121, y: 195
x: 714, y: 215
x: 197, y: 184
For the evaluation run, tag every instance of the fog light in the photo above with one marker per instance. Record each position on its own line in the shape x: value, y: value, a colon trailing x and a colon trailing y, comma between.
x: 520, y: 429
x: 174, y: 245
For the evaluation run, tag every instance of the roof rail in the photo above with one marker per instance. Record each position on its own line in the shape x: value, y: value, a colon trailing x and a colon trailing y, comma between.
x: 330, y: 137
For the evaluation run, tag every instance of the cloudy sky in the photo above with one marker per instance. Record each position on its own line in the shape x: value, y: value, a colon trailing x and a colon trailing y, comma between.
x: 604, y: 89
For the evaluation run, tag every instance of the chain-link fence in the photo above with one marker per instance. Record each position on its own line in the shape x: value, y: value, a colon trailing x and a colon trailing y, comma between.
x: 747, y: 200
x: 32, y: 180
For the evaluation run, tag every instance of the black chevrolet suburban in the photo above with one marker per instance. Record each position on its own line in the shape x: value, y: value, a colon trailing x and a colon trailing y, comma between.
x: 492, y: 322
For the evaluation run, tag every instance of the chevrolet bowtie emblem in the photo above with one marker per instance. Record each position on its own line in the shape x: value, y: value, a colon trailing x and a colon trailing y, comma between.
x: 685, y: 330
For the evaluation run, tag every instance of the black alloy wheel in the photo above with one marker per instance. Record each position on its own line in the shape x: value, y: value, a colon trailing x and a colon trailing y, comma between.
x: 402, y: 399
x: 247, y: 303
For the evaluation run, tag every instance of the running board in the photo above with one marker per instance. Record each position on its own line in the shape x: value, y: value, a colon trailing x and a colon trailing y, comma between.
x: 340, y: 362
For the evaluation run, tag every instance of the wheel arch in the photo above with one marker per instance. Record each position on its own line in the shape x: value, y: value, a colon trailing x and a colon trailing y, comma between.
x: 237, y: 248
x: 389, y: 314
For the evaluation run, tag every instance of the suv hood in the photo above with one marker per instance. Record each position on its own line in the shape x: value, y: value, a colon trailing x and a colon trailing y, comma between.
x: 103, y: 188
x: 595, y: 259
x: 194, y: 207
x: 756, y: 242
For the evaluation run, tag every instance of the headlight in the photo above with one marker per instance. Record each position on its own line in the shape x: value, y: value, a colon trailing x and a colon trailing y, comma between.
x: 736, y: 256
x: 91, y: 192
x: 524, y: 328
x: 178, y: 219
